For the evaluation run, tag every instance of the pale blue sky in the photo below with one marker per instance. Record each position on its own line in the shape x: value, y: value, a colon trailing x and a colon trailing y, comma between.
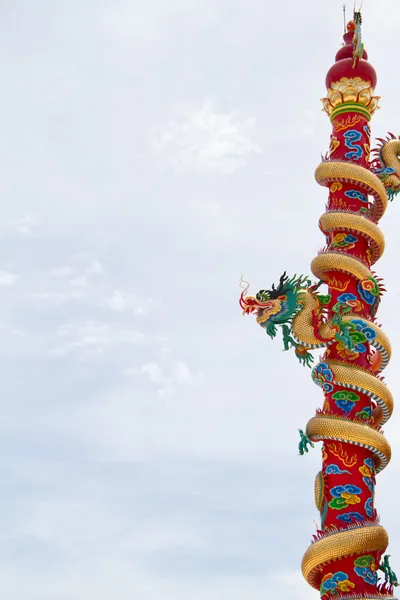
x: 152, y: 152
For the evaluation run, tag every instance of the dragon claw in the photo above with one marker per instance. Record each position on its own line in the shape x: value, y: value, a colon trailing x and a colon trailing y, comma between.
x: 305, y: 441
x: 390, y: 575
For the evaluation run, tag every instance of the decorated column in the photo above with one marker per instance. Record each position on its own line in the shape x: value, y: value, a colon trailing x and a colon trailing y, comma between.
x: 348, y: 549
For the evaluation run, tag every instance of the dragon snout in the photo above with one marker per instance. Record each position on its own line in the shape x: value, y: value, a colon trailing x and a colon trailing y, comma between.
x: 248, y: 310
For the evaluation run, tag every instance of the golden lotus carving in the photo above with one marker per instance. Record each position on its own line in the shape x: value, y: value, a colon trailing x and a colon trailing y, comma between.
x: 351, y: 91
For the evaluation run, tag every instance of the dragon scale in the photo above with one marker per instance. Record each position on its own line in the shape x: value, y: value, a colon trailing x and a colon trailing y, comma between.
x: 348, y: 549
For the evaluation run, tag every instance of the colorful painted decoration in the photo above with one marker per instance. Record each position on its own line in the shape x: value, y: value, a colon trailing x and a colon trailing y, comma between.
x: 324, y: 300
x: 346, y: 123
x: 345, y: 400
x: 334, y: 315
x: 349, y: 302
x: 336, y: 582
x: 356, y: 195
x: 343, y: 240
x: 365, y: 567
x: 367, y: 470
x: 351, y: 138
x: 344, y: 496
x: 323, y: 376
x: 369, y: 507
x: 335, y: 470
x: 369, y: 290
x: 334, y: 145
x: 365, y: 414
x: 351, y: 517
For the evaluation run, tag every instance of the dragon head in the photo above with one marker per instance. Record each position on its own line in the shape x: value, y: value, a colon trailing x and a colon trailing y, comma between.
x: 277, y: 305
x: 255, y: 304
x: 386, y: 164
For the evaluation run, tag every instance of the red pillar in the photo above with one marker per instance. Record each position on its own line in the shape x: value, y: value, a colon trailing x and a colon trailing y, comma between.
x: 345, y: 556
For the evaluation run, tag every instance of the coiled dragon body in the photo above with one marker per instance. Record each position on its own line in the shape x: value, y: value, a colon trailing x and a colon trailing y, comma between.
x: 346, y: 553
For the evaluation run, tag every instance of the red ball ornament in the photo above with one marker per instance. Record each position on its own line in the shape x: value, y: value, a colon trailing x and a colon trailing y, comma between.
x: 344, y: 68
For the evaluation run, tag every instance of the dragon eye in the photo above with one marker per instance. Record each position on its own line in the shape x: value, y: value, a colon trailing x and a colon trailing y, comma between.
x: 262, y: 296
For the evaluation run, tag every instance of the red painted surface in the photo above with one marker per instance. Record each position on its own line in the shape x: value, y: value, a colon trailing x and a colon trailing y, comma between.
x: 347, y: 470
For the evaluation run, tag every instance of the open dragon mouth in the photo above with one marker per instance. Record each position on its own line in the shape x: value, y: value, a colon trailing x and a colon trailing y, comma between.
x: 266, y: 307
x: 261, y: 308
x: 264, y: 313
x: 268, y: 310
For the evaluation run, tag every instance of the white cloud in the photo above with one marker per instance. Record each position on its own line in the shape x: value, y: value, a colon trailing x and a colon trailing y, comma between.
x: 8, y: 279
x: 182, y: 372
x: 121, y: 301
x: 79, y: 282
x: 54, y: 298
x: 81, y: 271
x: 95, y: 268
x: 90, y: 338
x: 155, y: 373
x: 168, y: 375
x: 28, y: 224
x: 207, y: 140
x: 118, y: 302
x: 62, y: 272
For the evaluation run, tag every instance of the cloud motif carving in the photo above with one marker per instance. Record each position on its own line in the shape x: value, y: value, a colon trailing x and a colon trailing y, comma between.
x: 344, y: 496
x: 350, y: 517
x: 365, y: 567
x: 335, y: 470
x: 336, y: 581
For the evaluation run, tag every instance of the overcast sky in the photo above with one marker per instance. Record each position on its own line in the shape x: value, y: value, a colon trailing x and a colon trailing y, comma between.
x: 152, y: 151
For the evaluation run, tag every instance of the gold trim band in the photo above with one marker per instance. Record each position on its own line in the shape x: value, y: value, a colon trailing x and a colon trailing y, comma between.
x: 351, y: 107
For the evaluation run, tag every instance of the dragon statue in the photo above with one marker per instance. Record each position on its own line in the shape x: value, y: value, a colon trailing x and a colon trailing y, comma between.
x: 296, y: 303
x: 347, y: 551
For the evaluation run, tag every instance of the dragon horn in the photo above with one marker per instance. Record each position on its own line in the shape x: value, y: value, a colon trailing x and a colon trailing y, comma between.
x: 283, y: 278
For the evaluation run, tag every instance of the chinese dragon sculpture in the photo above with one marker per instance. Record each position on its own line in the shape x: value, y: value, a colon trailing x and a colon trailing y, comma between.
x: 347, y: 551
